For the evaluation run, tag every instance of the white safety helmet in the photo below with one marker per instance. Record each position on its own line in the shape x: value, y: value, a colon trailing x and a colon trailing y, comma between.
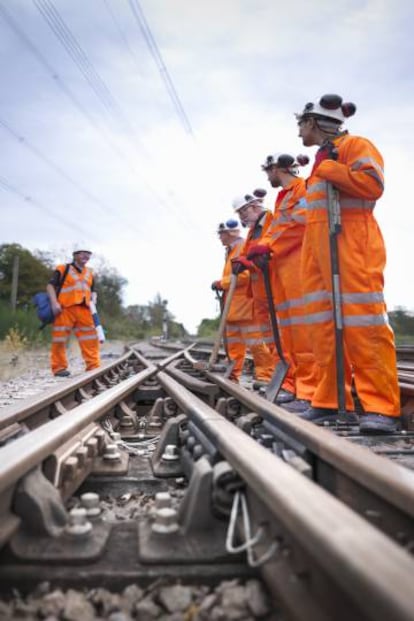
x: 329, y: 107
x: 229, y: 226
x: 257, y: 196
x: 80, y: 248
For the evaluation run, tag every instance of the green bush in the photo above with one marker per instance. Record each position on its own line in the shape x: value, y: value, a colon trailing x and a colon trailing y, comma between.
x: 25, y: 321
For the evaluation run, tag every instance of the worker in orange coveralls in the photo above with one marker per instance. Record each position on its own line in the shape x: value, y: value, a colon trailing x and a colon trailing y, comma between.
x: 241, y: 331
x: 253, y: 215
x: 354, y: 166
x: 282, y: 246
x: 71, y: 310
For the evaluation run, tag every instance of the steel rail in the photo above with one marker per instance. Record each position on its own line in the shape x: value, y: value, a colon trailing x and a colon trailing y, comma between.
x: 28, y: 451
x: 390, y: 481
x: 23, y: 410
x: 29, y: 408
x: 366, y: 564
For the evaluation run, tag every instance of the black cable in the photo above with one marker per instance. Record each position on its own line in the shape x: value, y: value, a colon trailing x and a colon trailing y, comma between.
x: 155, y: 52
x: 6, y: 185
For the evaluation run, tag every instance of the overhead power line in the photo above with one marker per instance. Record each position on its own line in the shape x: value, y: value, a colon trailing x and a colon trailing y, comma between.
x: 6, y: 185
x: 80, y: 58
x: 156, y: 54
x: 22, y: 140
x: 166, y: 203
x: 101, y: 90
x: 122, y: 35
x: 60, y: 83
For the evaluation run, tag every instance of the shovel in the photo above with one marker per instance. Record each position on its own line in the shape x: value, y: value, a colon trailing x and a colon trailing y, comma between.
x: 201, y: 365
x: 230, y: 366
x: 282, y: 366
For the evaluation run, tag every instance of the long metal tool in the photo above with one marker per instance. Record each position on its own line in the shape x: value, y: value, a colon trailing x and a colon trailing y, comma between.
x: 223, y: 320
x: 282, y: 366
x: 334, y: 219
x: 220, y: 297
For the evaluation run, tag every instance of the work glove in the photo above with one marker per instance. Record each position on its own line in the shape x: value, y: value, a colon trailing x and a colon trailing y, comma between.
x: 240, y: 264
x: 259, y: 254
x: 216, y: 285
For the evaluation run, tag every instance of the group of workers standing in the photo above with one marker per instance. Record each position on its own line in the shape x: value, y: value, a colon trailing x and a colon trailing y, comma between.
x: 313, y: 299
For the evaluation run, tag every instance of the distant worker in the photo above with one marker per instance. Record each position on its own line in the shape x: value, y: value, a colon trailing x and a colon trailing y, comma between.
x: 71, y: 310
x: 240, y: 329
x: 253, y: 215
x: 354, y: 167
x: 282, y: 246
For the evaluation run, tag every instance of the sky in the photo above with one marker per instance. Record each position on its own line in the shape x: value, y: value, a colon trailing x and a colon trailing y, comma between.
x: 129, y: 126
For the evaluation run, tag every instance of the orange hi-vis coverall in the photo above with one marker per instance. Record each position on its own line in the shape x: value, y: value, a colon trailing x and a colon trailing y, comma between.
x: 74, y: 299
x: 241, y: 329
x: 258, y: 291
x: 284, y: 238
x: 368, y: 338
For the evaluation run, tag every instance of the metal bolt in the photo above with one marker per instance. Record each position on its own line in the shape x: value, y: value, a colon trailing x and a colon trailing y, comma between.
x: 162, y: 499
x: 170, y: 453
x: 69, y: 468
x: 198, y: 452
x: 92, y: 447
x: 165, y: 521
x: 191, y: 441
x: 100, y: 435
x: 111, y: 453
x: 78, y: 525
x: 82, y: 455
x: 126, y: 422
x: 90, y: 502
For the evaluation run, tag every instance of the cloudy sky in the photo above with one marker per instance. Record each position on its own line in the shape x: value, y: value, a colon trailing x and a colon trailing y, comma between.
x: 129, y: 126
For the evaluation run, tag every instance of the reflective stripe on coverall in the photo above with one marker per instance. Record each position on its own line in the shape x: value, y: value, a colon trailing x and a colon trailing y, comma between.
x: 241, y: 327
x: 284, y: 237
x: 368, y: 338
x: 77, y: 316
x: 260, y: 304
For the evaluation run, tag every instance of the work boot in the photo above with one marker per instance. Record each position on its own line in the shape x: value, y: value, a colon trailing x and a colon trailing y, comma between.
x: 62, y: 373
x: 284, y: 396
x: 328, y: 415
x: 297, y: 405
x: 378, y: 423
x: 260, y: 384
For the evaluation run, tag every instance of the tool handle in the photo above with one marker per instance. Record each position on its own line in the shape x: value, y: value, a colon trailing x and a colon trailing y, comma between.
x: 223, y: 319
x: 334, y: 214
x: 334, y: 210
x: 272, y: 313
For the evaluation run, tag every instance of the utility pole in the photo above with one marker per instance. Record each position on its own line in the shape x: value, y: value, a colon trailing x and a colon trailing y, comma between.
x: 15, y: 281
x: 165, y: 321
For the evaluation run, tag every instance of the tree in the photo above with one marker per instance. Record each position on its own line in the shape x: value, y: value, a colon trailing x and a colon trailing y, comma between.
x: 109, y: 284
x: 33, y: 273
x: 402, y: 321
x: 208, y: 327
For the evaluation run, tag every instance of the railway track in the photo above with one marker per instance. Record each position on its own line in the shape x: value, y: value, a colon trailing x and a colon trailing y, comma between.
x: 241, y: 488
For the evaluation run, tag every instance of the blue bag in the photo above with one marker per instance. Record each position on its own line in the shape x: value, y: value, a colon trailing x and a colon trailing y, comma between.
x: 43, y: 308
x: 43, y: 305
